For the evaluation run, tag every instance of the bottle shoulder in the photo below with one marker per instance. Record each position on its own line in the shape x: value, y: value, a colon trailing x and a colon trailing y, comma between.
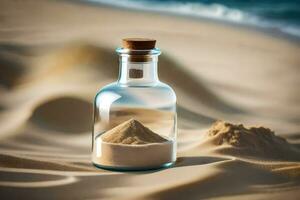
x: 115, y: 87
x: 167, y: 88
x: 158, y: 91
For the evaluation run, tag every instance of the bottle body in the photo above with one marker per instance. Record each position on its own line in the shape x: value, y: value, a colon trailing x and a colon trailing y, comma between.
x: 137, y: 95
x: 154, y: 107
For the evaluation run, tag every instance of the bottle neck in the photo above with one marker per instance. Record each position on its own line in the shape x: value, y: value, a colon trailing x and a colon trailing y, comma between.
x: 135, y: 73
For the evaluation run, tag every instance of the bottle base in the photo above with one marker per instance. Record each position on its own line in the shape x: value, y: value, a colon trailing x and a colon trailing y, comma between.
x: 120, y: 168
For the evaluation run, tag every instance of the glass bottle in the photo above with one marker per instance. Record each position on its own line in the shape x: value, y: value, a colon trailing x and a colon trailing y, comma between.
x: 137, y: 95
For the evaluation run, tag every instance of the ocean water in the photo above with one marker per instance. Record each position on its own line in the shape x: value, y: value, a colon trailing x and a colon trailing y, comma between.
x: 277, y: 15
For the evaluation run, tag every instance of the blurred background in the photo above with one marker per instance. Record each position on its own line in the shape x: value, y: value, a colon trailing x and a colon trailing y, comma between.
x: 279, y: 15
x: 235, y: 60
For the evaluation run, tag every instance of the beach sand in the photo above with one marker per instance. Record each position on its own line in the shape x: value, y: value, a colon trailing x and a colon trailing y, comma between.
x: 55, y: 55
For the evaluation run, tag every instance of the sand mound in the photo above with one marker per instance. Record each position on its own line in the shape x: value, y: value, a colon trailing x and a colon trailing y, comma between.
x: 131, y: 132
x: 65, y: 114
x: 80, y: 56
x: 250, y: 141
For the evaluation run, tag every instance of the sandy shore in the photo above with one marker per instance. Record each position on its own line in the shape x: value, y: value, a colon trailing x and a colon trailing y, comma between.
x: 54, y: 56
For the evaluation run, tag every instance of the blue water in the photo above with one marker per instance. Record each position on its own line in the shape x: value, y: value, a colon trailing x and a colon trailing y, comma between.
x: 278, y: 15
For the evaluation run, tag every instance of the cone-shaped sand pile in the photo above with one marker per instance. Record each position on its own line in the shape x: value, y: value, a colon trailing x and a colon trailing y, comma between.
x: 131, y: 132
x: 131, y: 145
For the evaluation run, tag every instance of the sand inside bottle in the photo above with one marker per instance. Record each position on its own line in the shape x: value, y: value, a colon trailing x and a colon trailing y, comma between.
x: 132, y: 145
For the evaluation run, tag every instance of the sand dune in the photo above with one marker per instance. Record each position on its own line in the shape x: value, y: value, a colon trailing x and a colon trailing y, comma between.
x: 53, y: 61
x: 64, y: 114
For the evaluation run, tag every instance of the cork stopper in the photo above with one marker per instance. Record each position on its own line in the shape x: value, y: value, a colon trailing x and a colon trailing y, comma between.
x: 138, y: 43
